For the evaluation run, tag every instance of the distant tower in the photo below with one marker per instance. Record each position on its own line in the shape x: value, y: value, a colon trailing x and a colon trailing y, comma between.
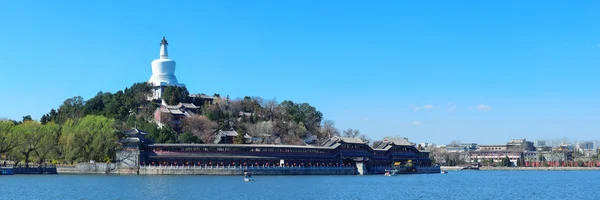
x: 163, y: 72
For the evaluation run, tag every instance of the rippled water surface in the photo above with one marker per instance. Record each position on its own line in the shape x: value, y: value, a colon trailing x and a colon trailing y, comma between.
x: 455, y: 185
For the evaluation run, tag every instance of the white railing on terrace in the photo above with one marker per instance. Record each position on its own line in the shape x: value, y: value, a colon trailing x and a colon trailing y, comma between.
x: 240, y: 167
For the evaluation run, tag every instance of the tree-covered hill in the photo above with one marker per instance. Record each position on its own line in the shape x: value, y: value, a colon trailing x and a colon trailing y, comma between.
x: 82, y: 130
x: 291, y: 122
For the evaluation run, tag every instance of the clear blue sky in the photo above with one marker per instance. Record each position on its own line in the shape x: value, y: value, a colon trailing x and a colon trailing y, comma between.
x: 438, y: 71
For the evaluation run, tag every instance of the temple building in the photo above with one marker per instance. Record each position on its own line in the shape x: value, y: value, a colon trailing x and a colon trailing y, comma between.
x: 163, y: 72
x: 173, y: 114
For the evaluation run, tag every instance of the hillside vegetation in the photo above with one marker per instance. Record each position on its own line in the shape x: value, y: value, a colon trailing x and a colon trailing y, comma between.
x: 83, y: 130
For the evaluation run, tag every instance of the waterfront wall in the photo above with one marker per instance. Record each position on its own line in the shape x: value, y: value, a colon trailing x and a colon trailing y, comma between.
x: 419, y: 170
x: 67, y: 170
x: 236, y: 170
x: 428, y: 170
x: 541, y: 168
x: 104, y: 168
x: 89, y: 168
x: 452, y: 168
x: 37, y: 170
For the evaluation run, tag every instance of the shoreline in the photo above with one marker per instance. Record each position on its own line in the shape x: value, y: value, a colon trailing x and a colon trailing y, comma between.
x: 102, y: 168
x: 540, y: 168
x: 454, y: 168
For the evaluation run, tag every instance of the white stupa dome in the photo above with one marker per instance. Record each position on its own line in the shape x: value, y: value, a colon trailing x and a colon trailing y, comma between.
x: 163, y: 69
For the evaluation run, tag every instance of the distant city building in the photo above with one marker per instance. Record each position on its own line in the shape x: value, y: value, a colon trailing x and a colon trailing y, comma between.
x: 514, y: 149
x: 564, y: 147
x: 520, y: 145
x: 461, y: 147
x: 453, y: 149
x: 469, y: 146
x: 495, y: 147
x: 425, y: 144
x: 543, y: 148
x: 585, y: 145
x: 539, y: 143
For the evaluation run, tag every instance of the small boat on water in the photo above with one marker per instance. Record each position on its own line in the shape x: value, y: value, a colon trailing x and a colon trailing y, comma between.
x: 6, y: 171
x: 444, y: 172
x: 248, y: 177
x: 390, y: 172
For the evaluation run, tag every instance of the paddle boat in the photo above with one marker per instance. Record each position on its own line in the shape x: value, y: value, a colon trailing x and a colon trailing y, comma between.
x: 248, y: 177
x: 390, y: 172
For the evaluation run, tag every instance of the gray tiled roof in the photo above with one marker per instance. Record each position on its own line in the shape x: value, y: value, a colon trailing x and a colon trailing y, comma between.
x: 228, y: 133
x: 129, y: 140
x: 175, y: 111
x: 351, y: 140
x: 401, y: 142
x: 188, y: 105
x: 134, y: 131
x: 171, y: 107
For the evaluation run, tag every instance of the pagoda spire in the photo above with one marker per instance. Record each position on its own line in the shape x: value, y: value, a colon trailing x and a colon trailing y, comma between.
x: 163, y: 48
x: 164, y: 41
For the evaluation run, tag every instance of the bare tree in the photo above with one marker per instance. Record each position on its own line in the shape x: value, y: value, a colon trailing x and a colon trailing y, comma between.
x: 555, y: 143
x: 270, y: 107
x: 328, y: 130
x: 455, y: 143
x: 565, y: 141
x: 200, y: 126
x: 365, y: 138
x: 351, y: 133
x: 260, y: 129
x: 395, y: 138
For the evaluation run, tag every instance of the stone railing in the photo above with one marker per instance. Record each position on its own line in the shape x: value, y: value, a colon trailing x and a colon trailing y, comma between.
x: 239, y: 170
x: 240, y: 167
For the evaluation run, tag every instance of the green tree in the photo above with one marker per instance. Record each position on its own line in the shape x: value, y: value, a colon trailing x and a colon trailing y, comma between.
x: 8, y: 139
x: 239, y: 139
x: 189, y: 138
x: 30, y: 138
x: 92, y: 138
x: 52, y: 116
x: 164, y: 135
x: 173, y: 95
x: 71, y: 108
x: 506, y: 162
x: 304, y: 113
x: 485, y: 162
x: 50, y: 134
x: 27, y: 118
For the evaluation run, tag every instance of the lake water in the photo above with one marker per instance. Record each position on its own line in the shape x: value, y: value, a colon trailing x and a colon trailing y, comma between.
x: 454, y: 185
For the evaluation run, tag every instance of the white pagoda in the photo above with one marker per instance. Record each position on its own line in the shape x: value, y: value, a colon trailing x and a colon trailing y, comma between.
x: 163, y: 72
